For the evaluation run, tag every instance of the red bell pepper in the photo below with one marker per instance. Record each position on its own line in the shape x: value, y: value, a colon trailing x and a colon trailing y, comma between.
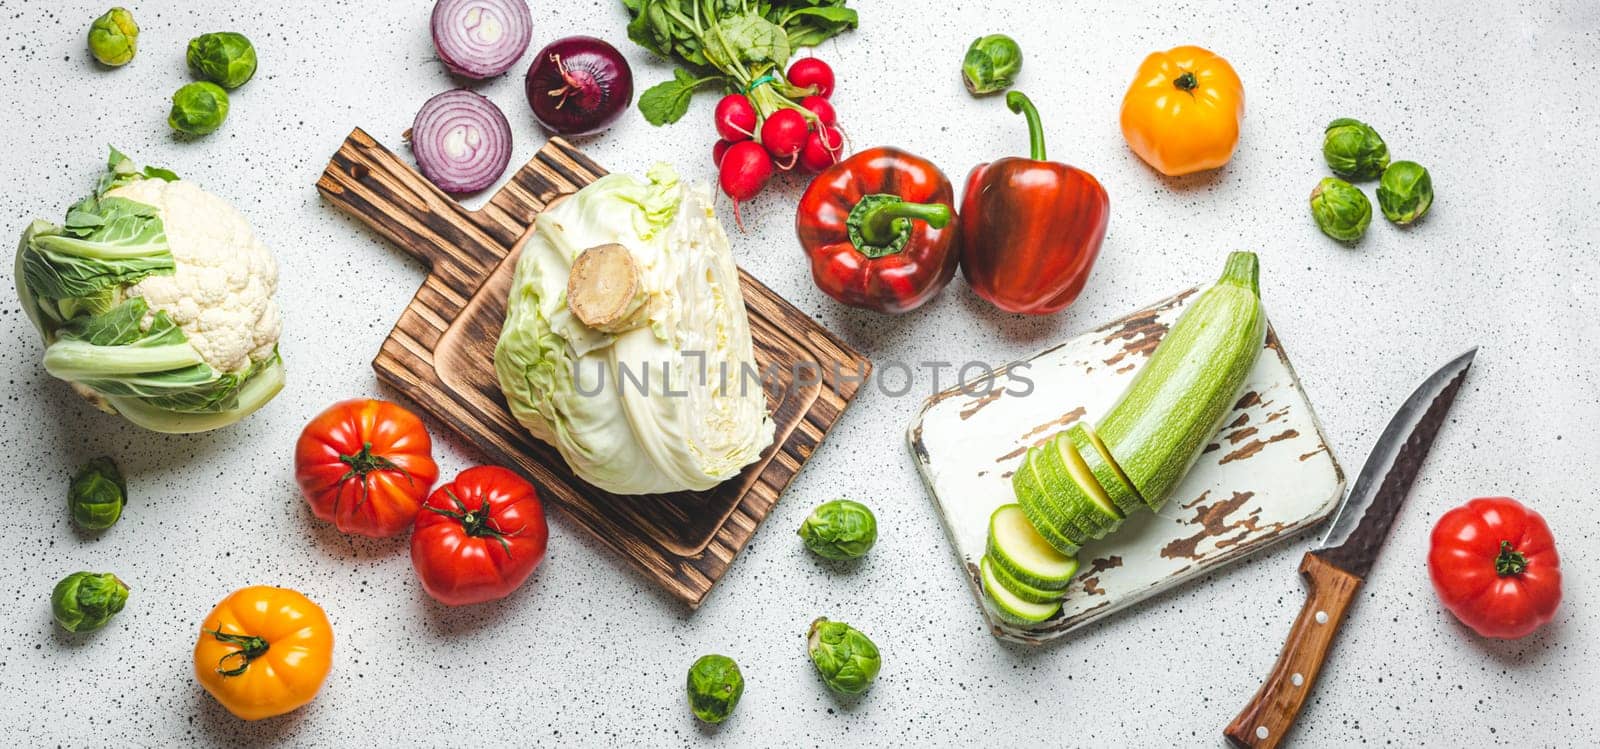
x: 1030, y: 228
x: 1494, y: 565
x: 877, y: 228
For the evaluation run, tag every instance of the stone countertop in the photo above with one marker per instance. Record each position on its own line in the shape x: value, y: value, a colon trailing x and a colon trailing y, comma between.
x: 1491, y: 97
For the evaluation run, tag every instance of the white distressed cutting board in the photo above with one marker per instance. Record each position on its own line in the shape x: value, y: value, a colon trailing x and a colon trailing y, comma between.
x: 1266, y: 475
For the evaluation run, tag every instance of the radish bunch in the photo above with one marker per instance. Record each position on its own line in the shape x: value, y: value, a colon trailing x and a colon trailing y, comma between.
x: 766, y: 130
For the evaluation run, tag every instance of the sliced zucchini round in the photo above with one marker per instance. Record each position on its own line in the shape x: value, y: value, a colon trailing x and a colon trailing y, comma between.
x: 1104, y: 469
x: 1074, y: 489
x: 1020, y: 553
x: 1021, y: 589
x: 1051, y: 507
x: 1030, y: 497
x: 1009, y: 606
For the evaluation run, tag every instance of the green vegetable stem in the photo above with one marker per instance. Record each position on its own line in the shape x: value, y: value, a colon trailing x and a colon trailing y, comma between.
x: 114, y: 38
x: 198, y: 108
x: 85, y: 601
x: 841, y: 529
x: 1342, y: 211
x: 847, y: 660
x: 714, y: 687
x: 991, y: 64
x: 225, y: 58
x: 742, y: 45
x: 1405, y: 192
x: 1354, y: 150
x: 97, y: 495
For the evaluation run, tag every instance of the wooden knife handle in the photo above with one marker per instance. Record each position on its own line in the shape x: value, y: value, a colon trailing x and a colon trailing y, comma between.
x: 1266, y: 720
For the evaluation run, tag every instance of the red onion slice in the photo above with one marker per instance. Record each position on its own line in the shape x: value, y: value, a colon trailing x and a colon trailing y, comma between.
x: 481, y: 38
x: 462, y: 141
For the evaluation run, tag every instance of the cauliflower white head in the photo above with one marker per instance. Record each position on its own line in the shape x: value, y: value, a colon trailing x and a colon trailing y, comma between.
x: 154, y: 299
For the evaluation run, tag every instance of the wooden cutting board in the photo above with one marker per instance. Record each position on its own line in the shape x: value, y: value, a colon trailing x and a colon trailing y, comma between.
x: 441, y: 352
x: 1266, y: 476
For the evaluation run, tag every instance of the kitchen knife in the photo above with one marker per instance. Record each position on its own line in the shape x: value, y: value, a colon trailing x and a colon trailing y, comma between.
x: 1336, y: 569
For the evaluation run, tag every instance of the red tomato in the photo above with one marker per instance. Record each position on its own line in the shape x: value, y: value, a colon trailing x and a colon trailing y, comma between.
x: 365, y: 466
x: 1494, y: 565
x: 478, y: 537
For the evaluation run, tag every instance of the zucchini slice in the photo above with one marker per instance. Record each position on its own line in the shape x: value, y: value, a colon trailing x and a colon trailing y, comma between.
x: 1021, y: 589
x: 1009, y: 606
x: 1179, y: 399
x: 1020, y: 553
x: 1067, y: 523
x: 1075, y: 490
x: 1031, y: 498
x: 1104, y: 469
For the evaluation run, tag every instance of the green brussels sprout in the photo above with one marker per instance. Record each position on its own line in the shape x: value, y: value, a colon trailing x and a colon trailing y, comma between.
x: 847, y: 660
x: 114, y: 38
x: 1342, y: 211
x: 97, y: 495
x: 1354, y: 150
x: 991, y: 64
x: 224, y: 58
x: 1405, y: 192
x: 83, y: 601
x: 198, y: 108
x: 840, y: 529
x: 715, y: 686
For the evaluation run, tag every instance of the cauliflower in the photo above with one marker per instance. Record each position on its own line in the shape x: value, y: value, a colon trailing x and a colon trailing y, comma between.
x: 154, y: 299
x: 221, y: 291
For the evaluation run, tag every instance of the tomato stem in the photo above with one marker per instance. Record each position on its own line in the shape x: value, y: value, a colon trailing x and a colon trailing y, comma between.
x: 1020, y: 104
x: 1186, y: 82
x: 361, y: 464
x: 1510, y: 561
x: 250, y: 648
x: 476, y: 523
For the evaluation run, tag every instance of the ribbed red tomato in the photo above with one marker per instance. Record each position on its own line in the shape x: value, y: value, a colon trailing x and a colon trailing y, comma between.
x: 1494, y: 565
x: 365, y: 466
x: 478, y: 537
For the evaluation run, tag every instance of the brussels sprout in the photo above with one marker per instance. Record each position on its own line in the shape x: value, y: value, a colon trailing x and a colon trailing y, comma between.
x: 715, y: 686
x: 224, y: 58
x: 1405, y: 192
x: 97, y: 495
x: 847, y: 660
x: 83, y: 601
x: 198, y: 108
x: 1342, y: 211
x: 991, y: 64
x: 114, y: 38
x: 1354, y: 150
x: 840, y: 529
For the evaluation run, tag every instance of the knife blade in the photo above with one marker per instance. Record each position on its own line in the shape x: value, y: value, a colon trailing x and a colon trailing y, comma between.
x: 1342, y: 562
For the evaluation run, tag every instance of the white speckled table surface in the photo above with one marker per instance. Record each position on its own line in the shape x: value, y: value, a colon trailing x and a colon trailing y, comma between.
x: 1492, y: 97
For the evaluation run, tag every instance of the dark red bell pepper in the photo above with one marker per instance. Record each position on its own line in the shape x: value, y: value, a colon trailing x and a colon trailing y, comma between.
x: 1030, y: 228
x: 878, y: 230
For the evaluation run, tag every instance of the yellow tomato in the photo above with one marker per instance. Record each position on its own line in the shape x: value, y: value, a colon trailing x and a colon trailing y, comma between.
x: 264, y: 651
x: 1181, y: 115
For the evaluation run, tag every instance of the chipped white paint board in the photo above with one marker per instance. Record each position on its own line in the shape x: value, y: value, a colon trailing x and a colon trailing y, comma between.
x: 1266, y: 475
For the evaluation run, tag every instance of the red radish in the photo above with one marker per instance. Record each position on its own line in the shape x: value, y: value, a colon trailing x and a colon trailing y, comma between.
x: 823, y: 148
x: 822, y: 108
x: 735, y: 118
x: 745, y: 169
x: 719, y: 150
x: 784, y: 134
x: 808, y: 72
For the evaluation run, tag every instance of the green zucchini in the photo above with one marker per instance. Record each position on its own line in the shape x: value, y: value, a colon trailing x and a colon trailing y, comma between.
x: 1037, y: 508
x: 1098, y: 459
x: 1021, y: 589
x: 1074, y: 489
x: 1009, y: 606
x: 1179, y: 398
x: 1020, y: 553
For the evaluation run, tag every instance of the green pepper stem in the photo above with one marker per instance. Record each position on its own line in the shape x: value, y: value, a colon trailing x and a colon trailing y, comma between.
x: 882, y: 222
x: 1020, y: 104
x: 1243, y: 269
x: 1509, y: 561
x: 1186, y: 82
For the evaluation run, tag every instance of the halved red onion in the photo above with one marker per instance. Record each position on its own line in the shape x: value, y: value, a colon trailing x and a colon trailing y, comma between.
x: 481, y: 38
x: 462, y: 141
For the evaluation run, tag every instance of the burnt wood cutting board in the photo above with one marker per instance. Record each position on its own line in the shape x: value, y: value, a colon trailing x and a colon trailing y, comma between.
x: 441, y: 353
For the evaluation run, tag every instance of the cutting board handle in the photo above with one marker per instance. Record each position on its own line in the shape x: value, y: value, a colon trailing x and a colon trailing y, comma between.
x: 1264, y: 722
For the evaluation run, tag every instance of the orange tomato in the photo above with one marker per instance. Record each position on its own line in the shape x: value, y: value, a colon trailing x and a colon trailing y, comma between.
x: 264, y: 651
x: 1181, y: 115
